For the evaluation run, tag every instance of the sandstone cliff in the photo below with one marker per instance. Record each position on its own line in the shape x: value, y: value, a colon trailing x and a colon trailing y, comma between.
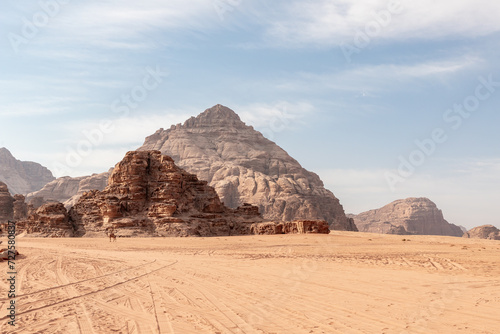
x: 483, y: 232
x: 149, y: 195
x: 407, y: 216
x: 22, y: 177
x: 243, y: 166
x: 20, y: 208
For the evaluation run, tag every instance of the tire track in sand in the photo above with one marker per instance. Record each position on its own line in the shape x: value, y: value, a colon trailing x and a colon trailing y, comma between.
x: 162, y: 320
x: 79, y: 282
x: 82, y: 316
x: 67, y: 300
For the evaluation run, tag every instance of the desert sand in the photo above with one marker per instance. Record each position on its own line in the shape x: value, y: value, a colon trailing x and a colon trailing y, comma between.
x: 344, y: 282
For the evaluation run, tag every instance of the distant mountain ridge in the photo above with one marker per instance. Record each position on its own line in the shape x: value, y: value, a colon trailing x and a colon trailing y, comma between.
x: 245, y: 167
x: 68, y: 190
x: 22, y: 177
x: 407, y: 216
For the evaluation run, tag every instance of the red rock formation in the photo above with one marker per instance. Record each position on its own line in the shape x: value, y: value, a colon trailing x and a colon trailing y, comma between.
x: 20, y: 208
x: 50, y: 220
x: 294, y: 227
x: 147, y: 194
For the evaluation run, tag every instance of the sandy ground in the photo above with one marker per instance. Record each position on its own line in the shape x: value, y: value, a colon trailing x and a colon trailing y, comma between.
x: 341, y: 283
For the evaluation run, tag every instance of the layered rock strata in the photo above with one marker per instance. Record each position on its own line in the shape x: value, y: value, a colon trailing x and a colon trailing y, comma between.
x: 294, y: 227
x: 148, y: 194
x: 49, y: 220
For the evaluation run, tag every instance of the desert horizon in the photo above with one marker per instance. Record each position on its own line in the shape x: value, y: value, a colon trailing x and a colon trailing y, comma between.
x: 344, y: 282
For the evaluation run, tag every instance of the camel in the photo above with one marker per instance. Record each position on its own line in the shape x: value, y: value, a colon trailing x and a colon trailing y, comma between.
x: 112, y: 236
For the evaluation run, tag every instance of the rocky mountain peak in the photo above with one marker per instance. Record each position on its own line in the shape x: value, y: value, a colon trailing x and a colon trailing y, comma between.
x: 216, y: 116
x: 245, y: 167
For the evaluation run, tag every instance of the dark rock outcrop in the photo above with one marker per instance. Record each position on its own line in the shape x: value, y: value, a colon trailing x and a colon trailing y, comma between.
x: 20, y: 208
x: 49, y: 220
x: 6, y: 204
x: 22, y: 177
x: 245, y: 167
x: 294, y: 227
x: 407, y: 216
x: 483, y: 232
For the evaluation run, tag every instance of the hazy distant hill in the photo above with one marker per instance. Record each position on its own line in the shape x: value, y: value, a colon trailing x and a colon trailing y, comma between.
x: 68, y: 190
x: 483, y: 232
x: 22, y: 177
x: 407, y: 216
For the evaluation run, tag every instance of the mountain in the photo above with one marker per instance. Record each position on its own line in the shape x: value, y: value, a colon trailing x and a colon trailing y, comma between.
x: 483, y: 232
x: 407, y: 216
x: 245, y: 167
x: 22, y: 177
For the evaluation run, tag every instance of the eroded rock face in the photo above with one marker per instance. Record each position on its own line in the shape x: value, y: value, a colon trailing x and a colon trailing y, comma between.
x: 22, y: 177
x: 6, y: 204
x: 407, y: 216
x: 245, y: 167
x: 49, y: 220
x: 20, y: 208
x: 148, y: 195
x: 483, y: 232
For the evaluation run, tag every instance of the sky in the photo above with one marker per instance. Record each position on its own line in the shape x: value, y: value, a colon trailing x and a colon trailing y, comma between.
x: 383, y: 99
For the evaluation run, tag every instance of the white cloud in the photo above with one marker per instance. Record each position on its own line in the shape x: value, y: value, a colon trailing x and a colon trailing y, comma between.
x: 262, y: 114
x: 122, y: 24
x: 104, y: 148
x: 327, y: 22
x: 369, y: 80
x: 273, y: 118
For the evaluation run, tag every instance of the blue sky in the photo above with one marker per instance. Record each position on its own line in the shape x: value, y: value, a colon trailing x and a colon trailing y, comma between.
x: 346, y: 87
